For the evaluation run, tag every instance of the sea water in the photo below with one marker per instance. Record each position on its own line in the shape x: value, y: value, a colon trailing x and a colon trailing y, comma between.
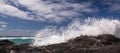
x: 18, y: 40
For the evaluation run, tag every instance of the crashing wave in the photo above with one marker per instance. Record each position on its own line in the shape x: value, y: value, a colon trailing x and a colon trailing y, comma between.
x: 77, y: 28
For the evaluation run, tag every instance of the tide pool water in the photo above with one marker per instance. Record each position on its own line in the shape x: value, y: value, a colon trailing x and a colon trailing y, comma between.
x: 18, y: 40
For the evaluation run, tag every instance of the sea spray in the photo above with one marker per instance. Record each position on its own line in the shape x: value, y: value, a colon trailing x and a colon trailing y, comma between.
x: 77, y: 28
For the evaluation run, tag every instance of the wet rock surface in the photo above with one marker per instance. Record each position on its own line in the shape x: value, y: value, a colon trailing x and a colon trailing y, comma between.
x: 105, y: 43
x: 6, y: 46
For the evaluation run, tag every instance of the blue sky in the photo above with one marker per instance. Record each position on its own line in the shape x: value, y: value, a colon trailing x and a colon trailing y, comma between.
x: 37, y: 14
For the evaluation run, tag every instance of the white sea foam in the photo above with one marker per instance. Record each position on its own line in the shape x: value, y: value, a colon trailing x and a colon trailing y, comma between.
x: 77, y: 28
x: 9, y: 38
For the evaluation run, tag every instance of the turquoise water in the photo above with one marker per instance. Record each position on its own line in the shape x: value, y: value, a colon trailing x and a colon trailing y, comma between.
x: 18, y: 40
x: 21, y: 41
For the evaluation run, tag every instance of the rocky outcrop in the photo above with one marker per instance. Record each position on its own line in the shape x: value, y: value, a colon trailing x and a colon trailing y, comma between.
x: 105, y: 43
x: 6, y: 46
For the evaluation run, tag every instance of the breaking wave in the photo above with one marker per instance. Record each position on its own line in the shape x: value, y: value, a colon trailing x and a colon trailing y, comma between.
x: 92, y: 27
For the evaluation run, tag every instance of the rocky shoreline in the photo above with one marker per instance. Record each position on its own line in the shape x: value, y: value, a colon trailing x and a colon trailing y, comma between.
x: 105, y: 43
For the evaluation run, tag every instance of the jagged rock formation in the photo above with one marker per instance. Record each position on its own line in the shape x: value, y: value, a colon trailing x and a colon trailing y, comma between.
x: 6, y: 46
x: 105, y: 43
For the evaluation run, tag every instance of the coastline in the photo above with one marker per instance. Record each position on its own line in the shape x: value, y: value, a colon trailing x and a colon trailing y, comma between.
x: 105, y: 43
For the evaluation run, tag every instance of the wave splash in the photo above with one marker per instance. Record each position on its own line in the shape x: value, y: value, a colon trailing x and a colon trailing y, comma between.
x: 77, y: 28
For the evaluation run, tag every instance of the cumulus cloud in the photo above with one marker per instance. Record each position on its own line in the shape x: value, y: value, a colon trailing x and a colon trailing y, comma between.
x: 45, y: 10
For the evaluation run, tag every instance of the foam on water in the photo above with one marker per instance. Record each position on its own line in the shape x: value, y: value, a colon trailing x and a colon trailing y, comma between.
x: 77, y: 28
x: 4, y: 38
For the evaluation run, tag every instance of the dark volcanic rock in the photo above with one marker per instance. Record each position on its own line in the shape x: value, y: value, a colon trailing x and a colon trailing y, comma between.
x: 5, y: 46
x: 105, y: 43
x: 87, y: 44
x: 107, y: 39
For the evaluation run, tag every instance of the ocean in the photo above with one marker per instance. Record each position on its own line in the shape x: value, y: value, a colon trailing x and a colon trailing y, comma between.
x: 18, y: 40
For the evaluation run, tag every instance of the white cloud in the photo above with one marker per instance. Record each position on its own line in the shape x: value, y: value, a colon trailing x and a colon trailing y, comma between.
x: 45, y: 10
x: 3, y: 25
x: 13, y: 11
x: 54, y: 18
x: 68, y: 13
x: 1, y: 22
